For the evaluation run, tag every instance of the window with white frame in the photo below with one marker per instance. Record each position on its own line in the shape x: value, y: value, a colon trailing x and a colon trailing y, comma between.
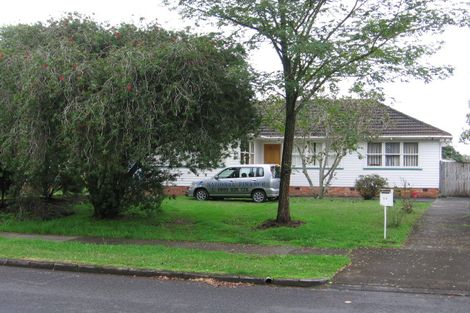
x: 392, y: 154
x: 309, y: 149
x: 410, y: 154
x: 374, y: 154
x: 247, y: 152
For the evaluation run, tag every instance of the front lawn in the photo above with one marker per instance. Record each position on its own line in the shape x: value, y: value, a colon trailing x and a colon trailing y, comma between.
x: 329, y: 223
x: 174, y: 259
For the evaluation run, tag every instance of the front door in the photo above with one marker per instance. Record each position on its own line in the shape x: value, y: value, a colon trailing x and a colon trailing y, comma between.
x: 272, y: 153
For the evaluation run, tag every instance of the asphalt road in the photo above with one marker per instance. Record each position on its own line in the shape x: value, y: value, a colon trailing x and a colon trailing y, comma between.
x: 29, y: 290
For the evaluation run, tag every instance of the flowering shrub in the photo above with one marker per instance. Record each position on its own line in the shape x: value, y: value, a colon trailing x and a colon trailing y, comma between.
x: 369, y: 186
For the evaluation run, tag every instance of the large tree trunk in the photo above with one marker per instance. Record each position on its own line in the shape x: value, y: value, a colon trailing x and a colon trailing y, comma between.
x: 2, y: 203
x: 105, y: 195
x: 283, y: 211
x: 291, y: 92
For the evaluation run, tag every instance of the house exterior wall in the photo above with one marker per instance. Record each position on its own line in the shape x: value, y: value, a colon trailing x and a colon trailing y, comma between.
x: 424, y: 178
x: 425, y: 175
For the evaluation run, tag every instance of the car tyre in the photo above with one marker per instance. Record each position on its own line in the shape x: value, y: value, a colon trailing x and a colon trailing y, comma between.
x: 258, y: 196
x: 201, y: 194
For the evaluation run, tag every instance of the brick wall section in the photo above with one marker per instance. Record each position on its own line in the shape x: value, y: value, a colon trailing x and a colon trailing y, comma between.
x: 175, y: 190
x: 351, y: 192
x: 332, y: 191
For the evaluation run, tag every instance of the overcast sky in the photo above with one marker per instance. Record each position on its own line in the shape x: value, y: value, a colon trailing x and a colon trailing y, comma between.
x: 443, y: 104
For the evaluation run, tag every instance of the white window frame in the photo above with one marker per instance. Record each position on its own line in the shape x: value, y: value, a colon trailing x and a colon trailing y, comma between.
x: 411, y: 154
x: 375, y: 154
x: 250, y: 153
x: 384, y: 155
x: 394, y: 154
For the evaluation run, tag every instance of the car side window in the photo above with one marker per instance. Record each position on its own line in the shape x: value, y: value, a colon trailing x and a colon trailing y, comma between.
x: 259, y: 172
x: 276, y: 171
x: 246, y: 172
x: 232, y: 172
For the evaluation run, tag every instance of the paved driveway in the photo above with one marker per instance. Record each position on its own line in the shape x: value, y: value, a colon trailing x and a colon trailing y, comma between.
x: 436, y: 258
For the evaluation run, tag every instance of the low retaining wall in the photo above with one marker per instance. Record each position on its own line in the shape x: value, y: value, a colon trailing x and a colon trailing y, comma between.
x: 332, y: 191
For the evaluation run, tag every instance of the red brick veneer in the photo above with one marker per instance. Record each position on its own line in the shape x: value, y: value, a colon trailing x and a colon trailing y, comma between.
x: 332, y: 191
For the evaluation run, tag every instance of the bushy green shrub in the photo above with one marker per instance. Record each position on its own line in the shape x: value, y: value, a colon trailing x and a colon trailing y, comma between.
x: 369, y: 186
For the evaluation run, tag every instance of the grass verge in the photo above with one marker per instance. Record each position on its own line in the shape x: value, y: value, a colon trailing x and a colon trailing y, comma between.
x: 174, y: 259
x: 328, y: 223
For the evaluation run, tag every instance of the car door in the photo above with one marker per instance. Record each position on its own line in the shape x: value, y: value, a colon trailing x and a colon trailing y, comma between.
x: 245, y: 182
x: 225, y: 182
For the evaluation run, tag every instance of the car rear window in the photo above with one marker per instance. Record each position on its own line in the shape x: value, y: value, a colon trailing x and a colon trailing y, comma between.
x: 276, y: 171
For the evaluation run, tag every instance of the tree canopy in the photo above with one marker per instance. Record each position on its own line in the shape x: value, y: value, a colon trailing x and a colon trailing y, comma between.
x: 118, y: 106
x: 322, y: 43
x: 327, y: 131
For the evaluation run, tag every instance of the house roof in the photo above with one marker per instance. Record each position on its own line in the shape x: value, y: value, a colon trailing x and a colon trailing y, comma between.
x: 398, y: 124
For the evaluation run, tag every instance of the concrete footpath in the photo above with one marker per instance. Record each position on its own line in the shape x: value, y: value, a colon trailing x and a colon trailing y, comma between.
x: 436, y: 258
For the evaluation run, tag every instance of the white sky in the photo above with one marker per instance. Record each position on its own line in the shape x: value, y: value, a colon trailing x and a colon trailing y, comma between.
x: 443, y: 104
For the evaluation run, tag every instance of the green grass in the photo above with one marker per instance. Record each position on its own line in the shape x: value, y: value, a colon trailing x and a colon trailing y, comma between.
x: 330, y: 223
x: 174, y: 259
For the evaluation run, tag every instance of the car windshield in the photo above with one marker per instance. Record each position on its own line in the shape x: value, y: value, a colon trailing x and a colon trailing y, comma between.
x: 229, y: 173
x: 276, y: 171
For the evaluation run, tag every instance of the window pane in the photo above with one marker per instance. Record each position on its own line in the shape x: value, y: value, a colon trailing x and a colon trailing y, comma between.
x: 245, y: 171
x: 374, y: 154
x: 392, y: 160
x: 374, y: 160
x: 410, y: 148
x: 392, y: 148
x: 374, y: 148
x: 410, y: 160
x: 259, y: 172
x: 244, y: 158
x: 296, y: 159
x: 276, y: 171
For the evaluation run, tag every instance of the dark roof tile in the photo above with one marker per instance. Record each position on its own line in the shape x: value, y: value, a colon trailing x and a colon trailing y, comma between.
x: 398, y: 124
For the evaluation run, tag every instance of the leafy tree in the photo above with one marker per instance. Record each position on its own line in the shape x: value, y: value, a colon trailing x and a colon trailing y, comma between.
x: 320, y: 43
x: 343, y: 124
x: 449, y: 153
x: 35, y: 61
x: 132, y: 102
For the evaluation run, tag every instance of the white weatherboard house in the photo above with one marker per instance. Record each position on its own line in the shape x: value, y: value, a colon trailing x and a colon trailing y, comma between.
x: 405, y: 150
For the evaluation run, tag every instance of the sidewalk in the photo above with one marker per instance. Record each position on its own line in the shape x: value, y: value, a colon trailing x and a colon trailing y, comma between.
x: 226, y: 247
x: 436, y: 257
x: 212, y: 246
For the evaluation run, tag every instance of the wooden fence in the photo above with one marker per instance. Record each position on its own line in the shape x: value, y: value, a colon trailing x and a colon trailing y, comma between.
x: 455, y: 179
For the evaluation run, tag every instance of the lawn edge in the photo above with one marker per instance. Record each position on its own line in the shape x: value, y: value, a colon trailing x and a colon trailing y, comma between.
x: 127, y: 271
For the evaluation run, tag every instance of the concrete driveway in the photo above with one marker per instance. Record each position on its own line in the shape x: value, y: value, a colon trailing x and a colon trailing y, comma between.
x: 435, y: 259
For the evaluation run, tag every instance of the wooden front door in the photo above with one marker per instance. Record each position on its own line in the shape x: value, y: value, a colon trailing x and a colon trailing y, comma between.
x: 272, y: 153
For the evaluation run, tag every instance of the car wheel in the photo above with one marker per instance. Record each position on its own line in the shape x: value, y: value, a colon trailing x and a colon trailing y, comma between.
x: 258, y: 196
x: 201, y: 195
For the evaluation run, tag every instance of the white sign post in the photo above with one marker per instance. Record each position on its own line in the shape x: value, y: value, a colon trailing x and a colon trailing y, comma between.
x: 386, y: 200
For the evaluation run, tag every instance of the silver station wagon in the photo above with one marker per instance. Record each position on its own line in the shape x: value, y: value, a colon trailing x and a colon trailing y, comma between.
x: 257, y: 181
